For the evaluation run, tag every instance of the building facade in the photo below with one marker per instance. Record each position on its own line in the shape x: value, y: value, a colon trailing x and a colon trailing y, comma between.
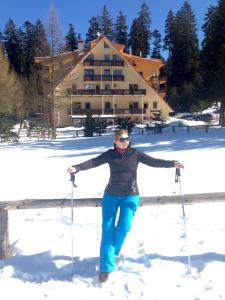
x: 105, y: 81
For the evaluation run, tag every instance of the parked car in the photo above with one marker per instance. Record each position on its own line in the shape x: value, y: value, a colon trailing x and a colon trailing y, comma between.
x: 205, y: 117
x: 187, y: 117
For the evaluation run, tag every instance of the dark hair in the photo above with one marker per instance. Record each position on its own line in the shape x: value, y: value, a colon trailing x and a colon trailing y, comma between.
x: 119, y: 132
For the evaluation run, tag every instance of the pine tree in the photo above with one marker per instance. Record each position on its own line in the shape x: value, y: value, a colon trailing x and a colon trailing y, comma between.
x: 140, y: 32
x: 42, y: 47
x: 168, y: 38
x: 106, y: 23
x: 121, y: 35
x: 93, y: 31
x: 184, y: 72
x: 29, y: 49
x: 156, y: 51
x: 71, y: 39
x: 145, y: 22
x: 213, y: 55
x: 13, y: 44
x: 134, y: 38
x: 1, y: 38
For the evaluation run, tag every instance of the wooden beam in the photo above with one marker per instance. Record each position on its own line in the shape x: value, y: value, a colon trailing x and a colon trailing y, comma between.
x: 96, y: 202
x: 5, y: 249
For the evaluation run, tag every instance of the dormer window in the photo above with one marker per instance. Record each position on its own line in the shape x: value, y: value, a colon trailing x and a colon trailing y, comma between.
x: 106, y: 57
x: 106, y: 46
x: 116, y: 57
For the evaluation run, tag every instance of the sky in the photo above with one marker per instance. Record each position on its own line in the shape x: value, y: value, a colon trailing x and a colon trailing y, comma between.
x: 79, y: 12
x: 153, y: 262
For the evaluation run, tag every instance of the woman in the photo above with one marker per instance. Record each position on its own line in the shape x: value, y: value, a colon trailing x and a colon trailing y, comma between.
x: 120, y: 193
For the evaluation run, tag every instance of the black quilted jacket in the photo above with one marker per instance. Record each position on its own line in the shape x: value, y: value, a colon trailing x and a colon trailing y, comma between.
x: 123, y: 168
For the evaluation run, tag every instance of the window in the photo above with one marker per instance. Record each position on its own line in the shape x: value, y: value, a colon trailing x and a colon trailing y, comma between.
x: 90, y: 57
x: 106, y: 45
x: 89, y: 72
x: 133, y: 105
x: 155, y: 105
x: 133, y: 87
x: 117, y: 72
x: 106, y: 72
x: 107, y: 105
x: 89, y: 87
x: 107, y: 57
x: 107, y: 87
x: 74, y: 87
x: 116, y: 57
x: 154, y: 73
x: 145, y: 105
x: 76, y: 106
x: 87, y: 105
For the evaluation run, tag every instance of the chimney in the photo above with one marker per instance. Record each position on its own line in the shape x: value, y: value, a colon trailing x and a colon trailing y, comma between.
x: 80, y: 44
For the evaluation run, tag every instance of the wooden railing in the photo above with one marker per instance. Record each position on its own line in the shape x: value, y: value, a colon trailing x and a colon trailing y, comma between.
x: 92, y: 92
x: 103, y: 77
x: 117, y: 111
x: 5, y: 248
x: 118, y: 63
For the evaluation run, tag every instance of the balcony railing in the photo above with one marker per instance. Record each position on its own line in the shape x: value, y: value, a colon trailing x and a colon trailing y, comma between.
x: 118, y: 63
x: 103, y: 77
x: 117, y: 111
x: 158, y: 78
x: 92, y: 92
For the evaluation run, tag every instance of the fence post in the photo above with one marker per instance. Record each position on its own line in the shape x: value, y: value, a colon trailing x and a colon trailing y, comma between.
x: 5, y: 249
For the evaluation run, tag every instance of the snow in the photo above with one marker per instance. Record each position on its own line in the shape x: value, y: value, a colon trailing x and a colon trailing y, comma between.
x: 153, y: 263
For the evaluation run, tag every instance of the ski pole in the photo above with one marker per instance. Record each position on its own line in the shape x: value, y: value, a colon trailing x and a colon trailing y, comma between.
x: 177, y: 179
x: 72, y: 179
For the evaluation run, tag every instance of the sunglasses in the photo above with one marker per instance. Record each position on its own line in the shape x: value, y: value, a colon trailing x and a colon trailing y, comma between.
x: 123, y: 139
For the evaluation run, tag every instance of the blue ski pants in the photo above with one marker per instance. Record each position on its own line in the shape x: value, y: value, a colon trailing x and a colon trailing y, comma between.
x: 115, y: 229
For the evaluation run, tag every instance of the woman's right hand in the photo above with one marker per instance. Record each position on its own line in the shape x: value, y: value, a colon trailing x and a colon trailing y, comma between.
x: 71, y: 170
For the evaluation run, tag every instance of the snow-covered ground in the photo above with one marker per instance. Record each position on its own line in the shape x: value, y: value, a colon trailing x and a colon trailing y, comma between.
x: 153, y: 262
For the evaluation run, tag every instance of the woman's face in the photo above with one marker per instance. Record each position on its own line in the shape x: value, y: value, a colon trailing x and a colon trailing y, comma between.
x: 122, y: 142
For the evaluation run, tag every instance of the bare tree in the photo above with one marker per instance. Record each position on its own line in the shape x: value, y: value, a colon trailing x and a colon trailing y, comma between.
x: 55, y: 36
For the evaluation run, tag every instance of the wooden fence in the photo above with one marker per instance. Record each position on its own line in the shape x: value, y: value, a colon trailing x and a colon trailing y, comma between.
x: 158, y: 128
x: 5, y: 248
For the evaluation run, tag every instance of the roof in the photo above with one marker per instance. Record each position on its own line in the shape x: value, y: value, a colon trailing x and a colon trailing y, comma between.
x: 145, y: 65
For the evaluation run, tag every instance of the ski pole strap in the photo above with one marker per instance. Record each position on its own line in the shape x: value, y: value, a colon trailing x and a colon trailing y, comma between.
x: 72, y: 179
x: 177, y: 174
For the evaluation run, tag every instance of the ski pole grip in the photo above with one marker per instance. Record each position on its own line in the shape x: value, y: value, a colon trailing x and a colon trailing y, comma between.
x: 72, y: 179
x: 177, y: 174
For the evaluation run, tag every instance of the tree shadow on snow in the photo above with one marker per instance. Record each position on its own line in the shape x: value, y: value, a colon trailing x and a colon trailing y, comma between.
x: 43, y: 267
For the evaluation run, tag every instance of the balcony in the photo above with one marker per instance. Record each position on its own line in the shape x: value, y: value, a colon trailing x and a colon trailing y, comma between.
x: 103, y: 77
x: 117, y: 111
x: 158, y: 78
x: 109, y: 63
x: 93, y: 92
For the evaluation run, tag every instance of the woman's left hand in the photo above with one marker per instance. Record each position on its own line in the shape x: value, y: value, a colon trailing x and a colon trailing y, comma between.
x: 178, y: 165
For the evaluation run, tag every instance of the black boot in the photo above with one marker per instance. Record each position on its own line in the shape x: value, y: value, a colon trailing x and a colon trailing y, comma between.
x: 103, y: 276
